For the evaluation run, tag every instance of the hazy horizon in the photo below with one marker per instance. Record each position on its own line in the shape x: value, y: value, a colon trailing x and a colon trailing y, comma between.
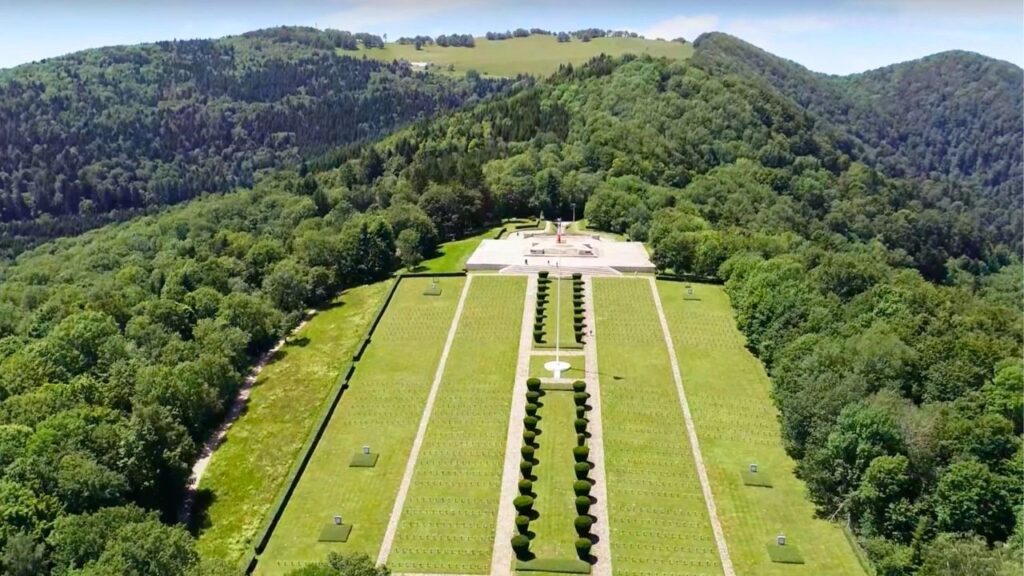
x: 837, y: 37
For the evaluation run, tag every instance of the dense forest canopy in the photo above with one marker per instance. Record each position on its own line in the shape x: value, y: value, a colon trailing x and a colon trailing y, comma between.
x: 953, y: 118
x: 96, y: 133
x: 886, y: 305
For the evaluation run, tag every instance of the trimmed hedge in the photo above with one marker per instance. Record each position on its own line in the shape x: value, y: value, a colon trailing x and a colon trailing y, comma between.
x: 526, y: 467
x: 529, y: 436
x: 581, y: 411
x: 582, y: 469
x: 583, y: 546
x: 581, y: 453
x: 577, y: 276
x: 530, y: 422
x: 527, y: 452
x: 579, y: 386
x: 525, y: 487
x: 580, y: 424
x: 577, y: 318
x: 523, y: 524
x: 689, y: 278
x: 581, y: 439
x: 523, y: 503
x: 543, y: 274
x: 538, y: 336
x: 533, y: 384
x: 582, y: 487
x: 521, y: 545
x: 582, y: 505
x: 580, y: 398
x: 583, y: 524
x: 532, y: 395
x: 531, y: 409
x: 554, y: 565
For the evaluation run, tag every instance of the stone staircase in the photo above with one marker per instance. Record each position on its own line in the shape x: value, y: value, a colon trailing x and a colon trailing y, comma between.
x: 564, y: 270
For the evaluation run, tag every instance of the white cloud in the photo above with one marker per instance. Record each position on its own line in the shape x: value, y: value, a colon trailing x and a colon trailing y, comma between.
x: 365, y: 15
x: 763, y: 32
x: 688, y: 27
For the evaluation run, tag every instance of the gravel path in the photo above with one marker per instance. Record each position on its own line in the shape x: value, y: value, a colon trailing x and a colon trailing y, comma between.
x: 410, y: 465
x: 691, y: 431
x: 602, y: 550
x: 501, y: 556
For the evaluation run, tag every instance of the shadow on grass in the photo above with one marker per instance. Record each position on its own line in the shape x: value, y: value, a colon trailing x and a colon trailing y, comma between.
x: 299, y: 342
x: 200, y: 519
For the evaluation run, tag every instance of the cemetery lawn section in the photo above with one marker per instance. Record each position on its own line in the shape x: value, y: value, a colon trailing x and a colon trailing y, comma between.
x: 382, y: 409
x: 448, y: 523
x: 555, y: 500
x: 538, y: 55
x: 657, y: 516
x: 736, y: 420
x: 247, y: 471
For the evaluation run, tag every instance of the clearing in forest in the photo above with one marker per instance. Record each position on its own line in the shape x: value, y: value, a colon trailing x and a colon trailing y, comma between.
x: 538, y: 55
x: 431, y: 502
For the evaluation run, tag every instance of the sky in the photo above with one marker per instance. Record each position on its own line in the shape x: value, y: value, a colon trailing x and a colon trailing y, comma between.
x: 832, y: 36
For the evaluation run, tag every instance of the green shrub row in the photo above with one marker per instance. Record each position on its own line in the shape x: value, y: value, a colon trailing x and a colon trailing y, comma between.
x: 577, y: 307
x: 523, y: 503
x: 582, y: 486
x: 540, y: 312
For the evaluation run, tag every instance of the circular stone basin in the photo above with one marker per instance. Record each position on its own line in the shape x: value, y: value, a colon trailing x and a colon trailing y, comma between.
x: 557, y: 366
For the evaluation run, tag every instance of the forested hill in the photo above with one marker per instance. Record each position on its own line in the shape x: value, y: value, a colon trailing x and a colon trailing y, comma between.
x: 132, y: 127
x: 888, y: 310
x: 950, y: 116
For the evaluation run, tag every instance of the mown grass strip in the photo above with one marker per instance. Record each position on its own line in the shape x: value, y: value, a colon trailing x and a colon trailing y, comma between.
x: 380, y: 410
x: 447, y: 525
x: 730, y: 398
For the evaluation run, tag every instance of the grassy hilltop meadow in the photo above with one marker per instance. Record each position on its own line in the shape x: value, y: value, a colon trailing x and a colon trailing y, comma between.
x: 172, y: 212
x: 538, y: 54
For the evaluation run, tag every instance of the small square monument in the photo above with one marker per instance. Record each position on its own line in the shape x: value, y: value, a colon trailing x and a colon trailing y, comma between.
x: 364, y: 459
x: 336, y: 531
x: 754, y: 476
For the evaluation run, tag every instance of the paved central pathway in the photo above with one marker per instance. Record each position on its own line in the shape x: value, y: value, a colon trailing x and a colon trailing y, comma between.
x: 691, y: 432
x: 603, y: 549
x: 410, y: 465
x: 501, y: 555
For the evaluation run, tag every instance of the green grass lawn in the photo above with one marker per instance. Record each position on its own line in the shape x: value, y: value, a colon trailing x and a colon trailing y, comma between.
x: 558, y: 320
x: 555, y: 500
x: 382, y: 409
x: 581, y: 227
x: 537, y: 55
x: 729, y: 396
x: 249, y: 468
x: 450, y: 514
x: 657, y: 515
